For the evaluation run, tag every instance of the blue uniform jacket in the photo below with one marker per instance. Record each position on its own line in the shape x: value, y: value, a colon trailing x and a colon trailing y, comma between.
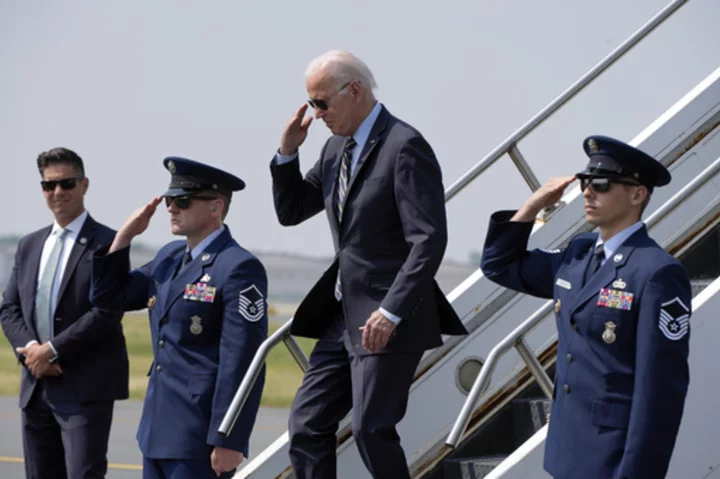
x: 206, y: 326
x: 622, y: 373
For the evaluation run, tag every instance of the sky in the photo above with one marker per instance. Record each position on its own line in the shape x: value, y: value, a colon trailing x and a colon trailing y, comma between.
x: 125, y: 84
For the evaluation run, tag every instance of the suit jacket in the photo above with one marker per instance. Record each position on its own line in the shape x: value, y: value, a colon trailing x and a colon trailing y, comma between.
x: 206, y: 323
x: 623, y: 338
x: 391, y: 240
x: 89, y: 340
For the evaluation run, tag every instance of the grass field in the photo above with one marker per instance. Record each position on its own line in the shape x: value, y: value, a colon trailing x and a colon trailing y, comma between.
x: 283, y: 373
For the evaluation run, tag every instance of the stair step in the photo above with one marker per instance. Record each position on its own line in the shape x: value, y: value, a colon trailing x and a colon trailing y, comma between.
x: 529, y: 415
x: 471, y: 467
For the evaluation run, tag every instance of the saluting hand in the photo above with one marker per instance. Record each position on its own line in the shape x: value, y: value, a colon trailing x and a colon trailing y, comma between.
x: 545, y: 196
x: 134, y: 225
x: 295, y: 131
x: 377, y: 332
x: 225, y: 460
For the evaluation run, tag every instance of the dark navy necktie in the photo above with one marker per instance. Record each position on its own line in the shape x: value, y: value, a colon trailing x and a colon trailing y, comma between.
x: 595, y: 262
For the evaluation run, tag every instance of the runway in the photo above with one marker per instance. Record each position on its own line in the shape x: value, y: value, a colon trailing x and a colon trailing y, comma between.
x: 123, y: 454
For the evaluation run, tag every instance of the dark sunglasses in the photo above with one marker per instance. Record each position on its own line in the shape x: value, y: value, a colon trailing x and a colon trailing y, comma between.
x: 65, y: 184
x: 602, y: 185
x: 184, y: 202
x: 322, y: 104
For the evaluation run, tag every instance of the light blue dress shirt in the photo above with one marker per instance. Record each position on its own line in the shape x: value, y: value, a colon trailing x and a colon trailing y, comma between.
x: 361, y: 137
x: 205, y: 243
x: 611, y: 245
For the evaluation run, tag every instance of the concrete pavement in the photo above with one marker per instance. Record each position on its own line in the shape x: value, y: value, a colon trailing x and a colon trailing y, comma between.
x: 123, y: 454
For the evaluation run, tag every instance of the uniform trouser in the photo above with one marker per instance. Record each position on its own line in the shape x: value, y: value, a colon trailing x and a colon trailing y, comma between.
x: 68, y: 440
x: 375, y: 386
x: 180, y: 469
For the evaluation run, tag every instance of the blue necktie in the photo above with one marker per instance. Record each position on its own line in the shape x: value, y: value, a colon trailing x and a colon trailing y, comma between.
x: 595, y: 262
x: 343, y: 181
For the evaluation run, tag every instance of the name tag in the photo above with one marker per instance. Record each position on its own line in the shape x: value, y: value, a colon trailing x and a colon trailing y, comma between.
x: 563, y: 283
x: 200, y: 292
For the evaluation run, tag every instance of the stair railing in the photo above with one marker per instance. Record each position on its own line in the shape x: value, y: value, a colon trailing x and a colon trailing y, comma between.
x: 509, y: 146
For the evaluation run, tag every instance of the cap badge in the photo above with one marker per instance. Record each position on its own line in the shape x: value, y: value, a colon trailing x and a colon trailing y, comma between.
x: 609, y: 334
x: 593, y: 146
x: 171, y: 166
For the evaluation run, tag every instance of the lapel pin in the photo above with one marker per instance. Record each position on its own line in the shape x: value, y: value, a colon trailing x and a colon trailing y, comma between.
x: 205, y: 278
x: 83, y: 240
x: 619, y: 284
x: 205, y: 257
x: 609, y: 334
x: 618, y: 257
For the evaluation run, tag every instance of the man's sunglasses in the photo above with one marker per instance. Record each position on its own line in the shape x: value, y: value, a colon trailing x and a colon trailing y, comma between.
x: 184, y: 202
x: 602, y: 185
x: 65, y: 184
x: 322, y: 104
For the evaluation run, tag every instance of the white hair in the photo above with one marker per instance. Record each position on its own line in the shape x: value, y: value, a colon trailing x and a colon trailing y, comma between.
x: 343, y: 67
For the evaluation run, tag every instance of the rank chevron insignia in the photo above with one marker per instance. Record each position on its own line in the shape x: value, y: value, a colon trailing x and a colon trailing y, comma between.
x: 251, y: 303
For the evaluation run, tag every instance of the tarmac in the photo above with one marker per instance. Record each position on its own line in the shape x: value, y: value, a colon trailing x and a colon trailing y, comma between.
x: 124, y: 457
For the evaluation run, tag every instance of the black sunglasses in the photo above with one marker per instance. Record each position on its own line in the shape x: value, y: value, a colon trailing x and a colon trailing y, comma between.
x: 602, y: 185
x: 65, y: 184
x: 184, y: 202
x: 322, y: 104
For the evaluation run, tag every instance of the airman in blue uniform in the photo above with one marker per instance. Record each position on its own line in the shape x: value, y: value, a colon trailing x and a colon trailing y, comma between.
x: 206, y: 297
x: 622, y: 307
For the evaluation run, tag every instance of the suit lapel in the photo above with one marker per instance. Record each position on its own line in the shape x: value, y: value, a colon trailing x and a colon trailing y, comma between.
x: 36, y: 255
x: 84, y: 239
x: 174, y: 289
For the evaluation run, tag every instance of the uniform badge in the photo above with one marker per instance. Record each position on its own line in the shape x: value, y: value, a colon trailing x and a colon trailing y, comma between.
x: 593, y: 146
x: 619, y: 284
x: 196, y: 326
x: 205, y: 278
x: 558, y: 305
x: 609, y: 334
x: 200, y: 292
x: 251, y: 303
x: 171, y: 167
x: 613, y: 298
x: 563, y: 283
x: 674, y: 321
x: 205, y: 257
x: 151, y: 302
x: 551, y: 250
x: 618, y: 257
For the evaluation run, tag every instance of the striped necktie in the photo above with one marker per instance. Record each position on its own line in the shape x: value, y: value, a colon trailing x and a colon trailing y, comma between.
x: 343, y: 181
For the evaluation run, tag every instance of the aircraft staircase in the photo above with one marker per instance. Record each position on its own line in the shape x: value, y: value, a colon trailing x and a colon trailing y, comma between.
x: 476, y: 411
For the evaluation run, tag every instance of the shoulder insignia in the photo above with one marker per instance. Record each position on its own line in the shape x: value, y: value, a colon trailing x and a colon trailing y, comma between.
x: 674, y: 321
x: 251, y: 303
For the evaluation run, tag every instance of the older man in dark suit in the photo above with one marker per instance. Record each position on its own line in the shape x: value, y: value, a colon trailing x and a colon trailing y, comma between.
x: 74, y: 355
x: 377, y: 308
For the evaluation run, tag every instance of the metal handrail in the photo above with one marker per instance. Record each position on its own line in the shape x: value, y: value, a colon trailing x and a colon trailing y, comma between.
x: 243, y: 392
x: 517, y: 337
x: 509, y: 146
x: 511, y: 142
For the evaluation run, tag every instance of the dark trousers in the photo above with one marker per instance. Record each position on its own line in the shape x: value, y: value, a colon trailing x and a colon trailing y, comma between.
x: 67, y: 440
x: 180, y: 469
x: 376, y: 387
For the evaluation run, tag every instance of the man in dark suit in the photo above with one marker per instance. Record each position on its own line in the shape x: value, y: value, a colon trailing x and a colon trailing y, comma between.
x: 622, y: 306
x: 377, y: 308
x: 74, y: 356
x: 206, y: 297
